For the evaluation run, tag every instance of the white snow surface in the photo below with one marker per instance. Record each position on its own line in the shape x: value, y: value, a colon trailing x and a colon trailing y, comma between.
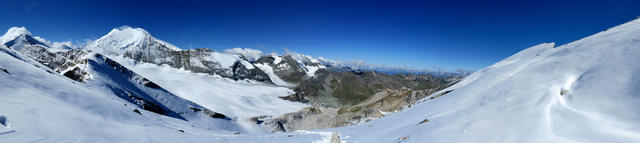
x: 242, y: 98
x: 518, y: 99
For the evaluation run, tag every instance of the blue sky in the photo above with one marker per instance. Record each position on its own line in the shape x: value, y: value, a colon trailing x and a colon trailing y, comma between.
x: 422, y: 34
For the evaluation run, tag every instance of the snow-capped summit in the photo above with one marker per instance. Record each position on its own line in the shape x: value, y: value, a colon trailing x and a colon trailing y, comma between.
x: 14, y: 32
x: 18, y: 37
x: 127, y: 39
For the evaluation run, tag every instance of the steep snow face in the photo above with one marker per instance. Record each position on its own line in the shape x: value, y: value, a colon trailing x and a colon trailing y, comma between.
x: 585, y: 91
x: 123, y: 39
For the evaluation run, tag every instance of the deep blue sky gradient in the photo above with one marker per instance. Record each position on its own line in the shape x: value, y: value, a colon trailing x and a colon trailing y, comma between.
x: 422, y: 34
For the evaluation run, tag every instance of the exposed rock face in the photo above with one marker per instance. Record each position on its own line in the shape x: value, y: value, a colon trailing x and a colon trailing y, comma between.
x: 76, y: 74
x: 38, y: 50
x: 65, y: 62
x: 5, y: 71
x: 307, y: 118
x: 57, y: 61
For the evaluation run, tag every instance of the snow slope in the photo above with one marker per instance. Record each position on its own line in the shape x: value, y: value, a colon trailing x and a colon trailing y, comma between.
x: 585, y: 91
x: 241, y: 98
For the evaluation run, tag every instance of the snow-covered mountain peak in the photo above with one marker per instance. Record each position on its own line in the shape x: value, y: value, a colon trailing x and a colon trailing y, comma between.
x: 125, y: 38
x: 17, y: 31
x: 127, y: 34
x: 14, y: 32
x: 19, y: 37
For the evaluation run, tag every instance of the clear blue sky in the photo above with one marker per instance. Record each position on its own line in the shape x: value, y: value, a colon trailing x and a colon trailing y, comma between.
x: 422, y: 34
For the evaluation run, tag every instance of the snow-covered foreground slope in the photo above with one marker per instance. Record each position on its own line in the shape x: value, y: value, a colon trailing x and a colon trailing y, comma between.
x: 585, y: 91
x: 242, y: 98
